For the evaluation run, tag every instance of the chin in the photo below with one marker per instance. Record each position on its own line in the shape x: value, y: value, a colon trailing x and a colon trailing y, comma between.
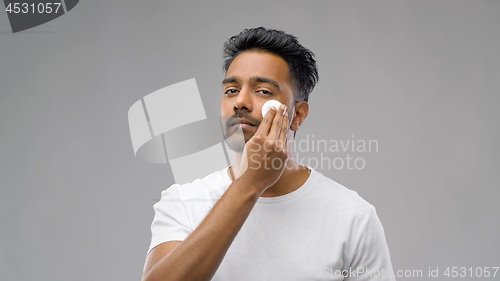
x: 236, y: 146
x: 235, y: 138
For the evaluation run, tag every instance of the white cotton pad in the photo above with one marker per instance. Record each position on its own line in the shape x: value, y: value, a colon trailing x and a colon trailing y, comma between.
x: 268, y: 105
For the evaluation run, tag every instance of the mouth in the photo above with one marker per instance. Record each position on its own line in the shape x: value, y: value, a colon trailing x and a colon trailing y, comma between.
x: 243, y: 122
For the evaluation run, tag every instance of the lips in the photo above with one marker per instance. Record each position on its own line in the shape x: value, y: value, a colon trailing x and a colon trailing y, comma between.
x: 241, y: 121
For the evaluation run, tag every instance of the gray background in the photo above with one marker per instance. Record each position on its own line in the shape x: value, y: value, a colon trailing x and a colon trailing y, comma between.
x: 421, y: 77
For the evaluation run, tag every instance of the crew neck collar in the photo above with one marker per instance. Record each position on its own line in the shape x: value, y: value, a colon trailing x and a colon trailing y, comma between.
x: 282, y: 198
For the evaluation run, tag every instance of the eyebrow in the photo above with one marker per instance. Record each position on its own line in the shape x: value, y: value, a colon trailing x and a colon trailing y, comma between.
x: 231, y: 79
x: 266, y: 80
x: 256, y: 79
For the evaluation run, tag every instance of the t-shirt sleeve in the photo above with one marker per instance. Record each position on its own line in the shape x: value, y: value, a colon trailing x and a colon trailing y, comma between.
x: 370, y: 257
x: 170, y: 222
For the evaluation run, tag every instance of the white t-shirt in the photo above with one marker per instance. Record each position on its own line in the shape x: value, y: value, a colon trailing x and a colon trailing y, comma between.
x: 316, y: 232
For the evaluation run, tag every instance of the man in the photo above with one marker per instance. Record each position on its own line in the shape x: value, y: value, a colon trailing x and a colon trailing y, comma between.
x: 259, y: 220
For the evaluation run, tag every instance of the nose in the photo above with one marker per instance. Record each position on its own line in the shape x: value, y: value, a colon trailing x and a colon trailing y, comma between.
x: 243, y: 101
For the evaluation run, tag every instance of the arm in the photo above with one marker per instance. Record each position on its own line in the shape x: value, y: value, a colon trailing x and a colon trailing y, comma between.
x: 200, y: 254
x: 370, y: 257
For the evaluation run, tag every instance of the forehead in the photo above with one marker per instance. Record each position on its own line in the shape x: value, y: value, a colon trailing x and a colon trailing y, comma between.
x: 262, y: 64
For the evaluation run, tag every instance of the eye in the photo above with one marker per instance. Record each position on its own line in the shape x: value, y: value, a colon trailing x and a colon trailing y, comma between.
x: 264, y: 92
x: 231, y: 92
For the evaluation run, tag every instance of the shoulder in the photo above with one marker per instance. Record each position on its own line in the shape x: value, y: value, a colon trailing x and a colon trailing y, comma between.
x: 340, y: 198
x: 213, y: 185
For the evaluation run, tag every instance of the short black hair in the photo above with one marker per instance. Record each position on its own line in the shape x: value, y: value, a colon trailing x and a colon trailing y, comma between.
x: 300, y: 60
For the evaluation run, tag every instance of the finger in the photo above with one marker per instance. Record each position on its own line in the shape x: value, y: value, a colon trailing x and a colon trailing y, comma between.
x: 282, y: 136
x: 276, y: 125
x: 285, y: 149
x: 266, y: 123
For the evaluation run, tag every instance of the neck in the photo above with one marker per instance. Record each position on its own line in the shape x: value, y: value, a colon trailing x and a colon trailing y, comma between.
x: 293, y: 177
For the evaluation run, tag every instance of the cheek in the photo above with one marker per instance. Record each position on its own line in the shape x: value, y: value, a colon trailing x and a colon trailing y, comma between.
x: 226, y: 109
x: 258, y: 108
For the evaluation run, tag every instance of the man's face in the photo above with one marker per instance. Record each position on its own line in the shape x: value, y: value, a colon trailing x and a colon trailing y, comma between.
x: 252, y: 79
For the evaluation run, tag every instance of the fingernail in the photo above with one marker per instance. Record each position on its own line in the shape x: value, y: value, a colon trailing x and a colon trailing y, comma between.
x: 283, y: 106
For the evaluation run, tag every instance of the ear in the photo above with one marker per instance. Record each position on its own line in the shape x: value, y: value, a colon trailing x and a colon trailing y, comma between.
x: 299, y: 115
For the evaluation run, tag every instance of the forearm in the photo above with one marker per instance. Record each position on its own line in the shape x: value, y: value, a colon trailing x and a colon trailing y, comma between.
x: 200, y: 254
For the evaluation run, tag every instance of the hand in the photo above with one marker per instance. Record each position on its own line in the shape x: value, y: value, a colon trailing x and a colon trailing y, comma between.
x: 265, y: 154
